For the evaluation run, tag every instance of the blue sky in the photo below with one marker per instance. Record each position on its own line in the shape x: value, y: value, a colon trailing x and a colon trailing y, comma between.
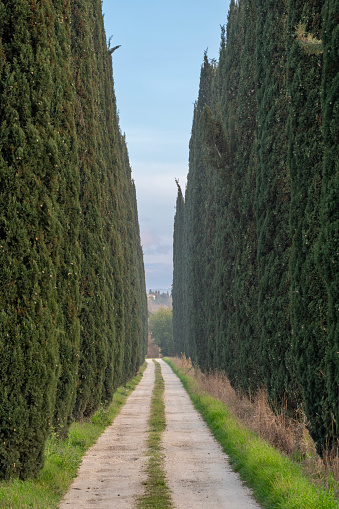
x: 156, y: 76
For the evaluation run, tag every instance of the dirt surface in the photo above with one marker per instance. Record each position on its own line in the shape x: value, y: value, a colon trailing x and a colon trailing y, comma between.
x: 198, y: 473
x: 113, y: 470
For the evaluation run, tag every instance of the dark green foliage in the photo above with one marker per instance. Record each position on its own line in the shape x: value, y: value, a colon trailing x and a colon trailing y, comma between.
x: 73, y: 314
x: 305, y: 159
x: 198, y: 190
x: 93, y: 353
x: 178, y: 294
x: 273, y: 204
x: 162, y: 330
x: 328, y: 245
x: 112, y: 278
x: 68, y: 187
x: 255, y: 285
x: 241, y: 112
x: 215, y: 139
x: 37, y: 139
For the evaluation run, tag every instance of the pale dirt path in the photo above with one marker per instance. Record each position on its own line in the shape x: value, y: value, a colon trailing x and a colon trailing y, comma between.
x: 113, y: 470
x: 197, y: 469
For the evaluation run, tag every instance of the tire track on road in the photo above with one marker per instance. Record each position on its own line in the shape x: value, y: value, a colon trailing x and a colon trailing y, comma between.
x: 113, y: 471
x: 198, y: 472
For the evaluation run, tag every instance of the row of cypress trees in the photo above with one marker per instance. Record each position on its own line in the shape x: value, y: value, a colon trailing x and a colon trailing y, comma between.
x: 73, y: 309
x: 255, y: 285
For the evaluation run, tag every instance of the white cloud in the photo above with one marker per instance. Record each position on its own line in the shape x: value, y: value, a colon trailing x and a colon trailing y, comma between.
x: 158, y: 275
x: 159, y: 189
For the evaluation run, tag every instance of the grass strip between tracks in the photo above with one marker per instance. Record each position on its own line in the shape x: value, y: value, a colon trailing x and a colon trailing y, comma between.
x: 157, y: 494
x: 63, y: 458
x: 276, y: 481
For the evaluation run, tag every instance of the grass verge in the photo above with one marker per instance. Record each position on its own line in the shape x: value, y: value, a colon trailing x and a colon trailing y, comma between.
x: 62, y: 458
x: 277, y: 482
x: 157, y: 494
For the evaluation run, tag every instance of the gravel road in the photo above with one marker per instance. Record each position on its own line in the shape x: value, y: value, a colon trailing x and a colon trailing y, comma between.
x: 113, y: 469
x: 198, y: 472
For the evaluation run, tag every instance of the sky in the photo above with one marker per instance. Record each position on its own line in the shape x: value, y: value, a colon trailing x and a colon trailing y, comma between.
x: 156, y: 79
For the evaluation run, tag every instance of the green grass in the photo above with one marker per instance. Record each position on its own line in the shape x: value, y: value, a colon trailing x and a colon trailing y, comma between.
x: 157, y: 494
x: 62, y: 458
x: 277, y: 482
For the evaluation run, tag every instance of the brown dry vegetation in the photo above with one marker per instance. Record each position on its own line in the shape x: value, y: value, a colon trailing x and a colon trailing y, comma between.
x: 290, y: 435
x: 153, y: 351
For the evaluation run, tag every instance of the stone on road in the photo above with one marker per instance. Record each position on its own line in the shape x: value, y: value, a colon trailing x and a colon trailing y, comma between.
x: 198, y: 473
x: 113, y: 470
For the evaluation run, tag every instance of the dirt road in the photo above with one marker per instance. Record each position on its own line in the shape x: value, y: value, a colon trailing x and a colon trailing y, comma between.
x: 113, y: 470
x: 198, y: 473
x: 197, y: 470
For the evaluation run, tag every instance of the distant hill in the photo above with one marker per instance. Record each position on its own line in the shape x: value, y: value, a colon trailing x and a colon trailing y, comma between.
x: 157, y: 299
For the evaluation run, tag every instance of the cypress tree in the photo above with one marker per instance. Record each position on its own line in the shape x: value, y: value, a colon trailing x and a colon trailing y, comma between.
x: 257, y: 253
x: 114, y: 337
x: 328, y: 248
x: 131, y: 281
x: 68, y: 218
x: 178, y: 292
x: 141, y: 283
x: 111, y: 181
x: 228, y: 80
x: 243, y: 226
x: 272, y: 205
x: 93, y: 316
x: 305, y: 153
x: 68, y: 187
x: 197, y: 189
x: 35, y: 140
x: 235, y: 262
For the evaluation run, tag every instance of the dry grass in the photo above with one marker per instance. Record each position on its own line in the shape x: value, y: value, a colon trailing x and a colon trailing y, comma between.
x: 153, y: 351
x: 331, y: 461
x: 290, y: 436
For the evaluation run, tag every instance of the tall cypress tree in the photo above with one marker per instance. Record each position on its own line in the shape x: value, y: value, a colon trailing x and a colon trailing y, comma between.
x: 36, y: 138
x: 93, y: 316
x: 223, y: 244
x: 68, y: 217
x: 308, y: 305
x: 141, y: 283
x: 68, y: 187
x: 227, y: 222
x: 260, y: 212
x: 111, y: 182
x: 328, y: 247
x: 133, y: 323
x: 178, y: 292
x: 197, y: 189
x: 243, y: 226
x: 272, y: 204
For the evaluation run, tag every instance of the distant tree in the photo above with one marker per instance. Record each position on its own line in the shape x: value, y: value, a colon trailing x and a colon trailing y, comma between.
x: 161, y: 328
x: 179, y: 282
